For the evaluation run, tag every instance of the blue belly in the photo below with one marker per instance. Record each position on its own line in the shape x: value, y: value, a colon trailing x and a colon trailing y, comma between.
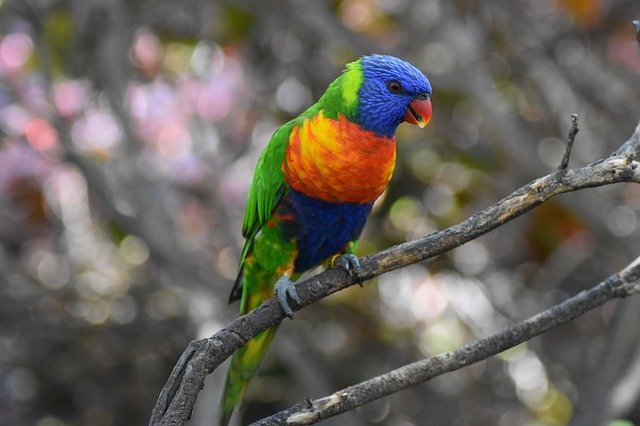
x: 320, y: 229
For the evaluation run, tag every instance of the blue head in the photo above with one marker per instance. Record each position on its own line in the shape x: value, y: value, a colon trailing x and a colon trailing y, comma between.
x: 392, y: 91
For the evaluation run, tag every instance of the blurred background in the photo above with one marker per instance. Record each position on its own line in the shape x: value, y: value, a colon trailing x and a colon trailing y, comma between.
x: 129, y: 131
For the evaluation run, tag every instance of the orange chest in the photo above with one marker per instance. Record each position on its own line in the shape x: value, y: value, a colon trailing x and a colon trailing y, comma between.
x: 337, y: 161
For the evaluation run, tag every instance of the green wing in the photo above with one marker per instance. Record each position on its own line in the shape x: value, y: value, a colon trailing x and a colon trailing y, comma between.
x: 268, y: 183
x: 266, y: 190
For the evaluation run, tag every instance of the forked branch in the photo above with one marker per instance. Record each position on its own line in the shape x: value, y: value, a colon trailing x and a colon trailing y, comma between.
x: 178, y: 397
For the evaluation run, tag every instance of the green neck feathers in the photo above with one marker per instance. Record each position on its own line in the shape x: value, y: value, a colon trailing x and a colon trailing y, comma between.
x: 341, y: 96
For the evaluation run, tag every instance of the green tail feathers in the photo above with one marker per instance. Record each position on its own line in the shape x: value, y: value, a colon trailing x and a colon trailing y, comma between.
x: 244, y: 364
x: 257, y: 286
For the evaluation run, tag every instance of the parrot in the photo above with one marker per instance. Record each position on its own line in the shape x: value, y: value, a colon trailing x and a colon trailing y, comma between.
x: 313, y: 189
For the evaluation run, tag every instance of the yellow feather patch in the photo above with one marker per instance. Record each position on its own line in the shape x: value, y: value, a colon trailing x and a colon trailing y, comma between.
x: 351, y: 82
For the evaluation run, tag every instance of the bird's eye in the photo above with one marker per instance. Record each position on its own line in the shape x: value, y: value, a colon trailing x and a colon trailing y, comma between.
x: 395, y: 87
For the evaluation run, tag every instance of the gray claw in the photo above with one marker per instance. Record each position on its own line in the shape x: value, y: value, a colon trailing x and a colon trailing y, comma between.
x: 350, y: 263
x: 284, y: 287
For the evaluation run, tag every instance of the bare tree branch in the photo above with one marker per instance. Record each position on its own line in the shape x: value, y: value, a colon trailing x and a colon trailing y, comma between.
x: 622, y: 284
x: 177, y: 398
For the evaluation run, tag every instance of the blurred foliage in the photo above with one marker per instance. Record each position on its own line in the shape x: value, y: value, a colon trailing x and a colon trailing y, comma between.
x: 129, y: 135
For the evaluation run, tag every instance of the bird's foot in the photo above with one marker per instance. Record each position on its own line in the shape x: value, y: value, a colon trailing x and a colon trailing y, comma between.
x: 284, y: 289
x: 350, y: 263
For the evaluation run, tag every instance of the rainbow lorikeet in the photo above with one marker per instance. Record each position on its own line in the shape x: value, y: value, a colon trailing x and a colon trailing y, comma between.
x: 313, y: 188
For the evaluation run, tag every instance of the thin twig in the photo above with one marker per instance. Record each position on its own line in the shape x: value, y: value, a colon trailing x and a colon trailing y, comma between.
x: 621, y: 284
x: 571, y: 138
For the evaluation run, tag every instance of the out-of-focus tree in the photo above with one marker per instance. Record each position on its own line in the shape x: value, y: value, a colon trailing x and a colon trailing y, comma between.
x: 129, y: 134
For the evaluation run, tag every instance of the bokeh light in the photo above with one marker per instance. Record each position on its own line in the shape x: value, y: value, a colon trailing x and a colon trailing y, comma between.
x: 15, y: 49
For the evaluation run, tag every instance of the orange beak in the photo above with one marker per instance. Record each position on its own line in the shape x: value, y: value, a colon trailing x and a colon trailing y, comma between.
x: 418, y: 112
